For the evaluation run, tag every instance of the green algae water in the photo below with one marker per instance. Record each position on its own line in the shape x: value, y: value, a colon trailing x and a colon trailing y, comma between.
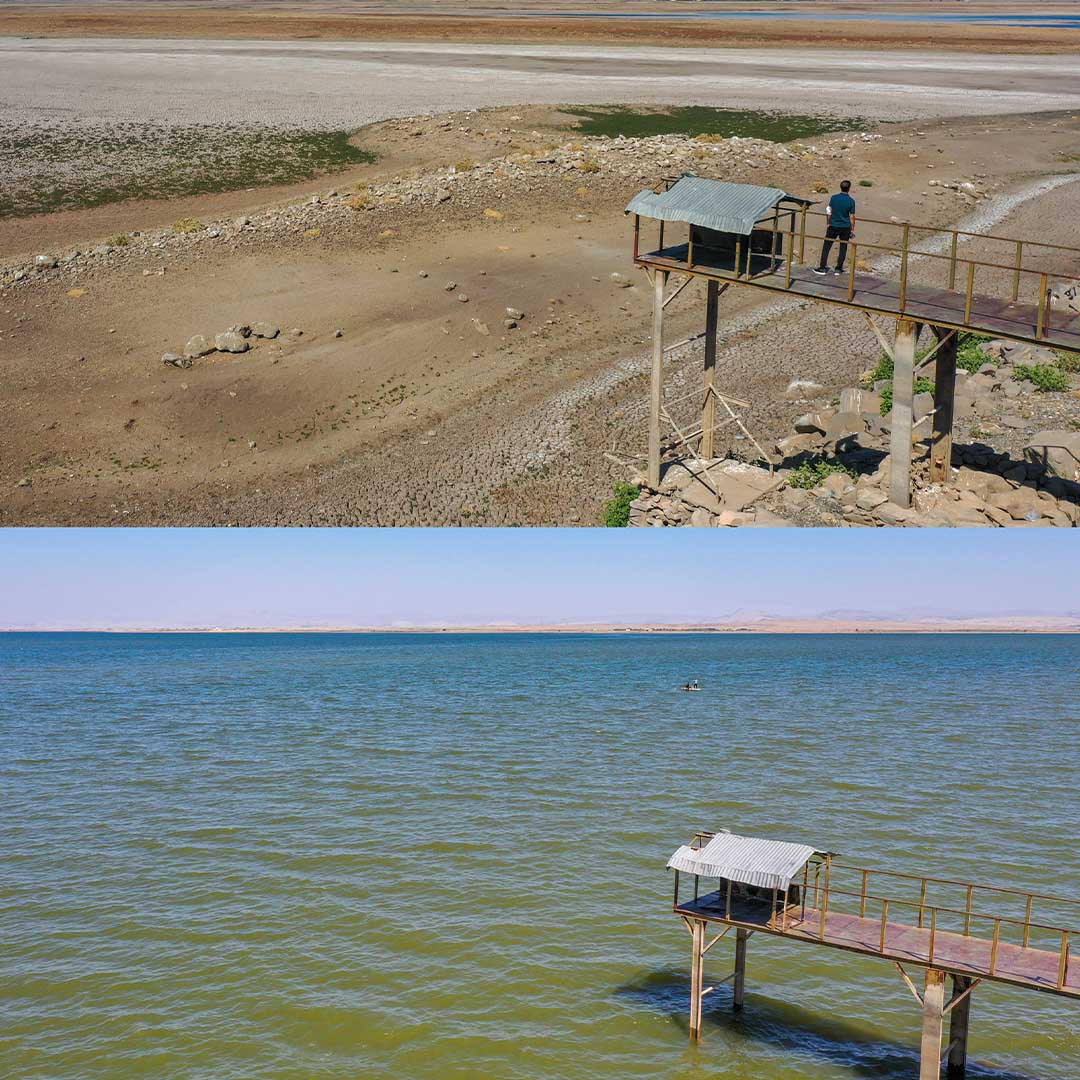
x: 320, y: 857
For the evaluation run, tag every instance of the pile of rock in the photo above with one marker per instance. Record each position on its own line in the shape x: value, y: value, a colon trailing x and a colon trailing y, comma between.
x: 843, y: 452
x: 237, y: 339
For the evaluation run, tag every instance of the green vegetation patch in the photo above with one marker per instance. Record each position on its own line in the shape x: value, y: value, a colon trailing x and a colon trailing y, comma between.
x: 811, y: 473
x: 923, y: 385
x: 617, y: 510
x: 64, y: 166
x: 1042, y: 376
x: 613, y: 121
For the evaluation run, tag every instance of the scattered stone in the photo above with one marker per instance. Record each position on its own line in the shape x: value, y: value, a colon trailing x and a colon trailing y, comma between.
x: 462, y: 298
x: 803, y: 390
x: 481, y: 327
x: 231, y: 342
x: 1058, y: 452
x: 198, y: 346
x: 264, y: 330
x: 174, y: 360
x: 450, y: 286
x: 515, y: 314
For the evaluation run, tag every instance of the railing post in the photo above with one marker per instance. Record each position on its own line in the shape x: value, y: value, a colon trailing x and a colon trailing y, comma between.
x: 884, y: 923
x: 933, y: 933
x: 738, y: 258
x: 637, y: 234
x: 690, y: 249
x: 903, y: 266
x: 969, y: 293
x: 1063, y: 961
x: 802, y: 236
x: 994, y: 946
x: 825, y: 900
x: 1027, y: 919
x: 1042, y: 322
x: 853, y: 254
x: 967, y: 913
x: 952, y: 261
x: 922, y: 901
x: 1016, y: 272
x: 862, y: 898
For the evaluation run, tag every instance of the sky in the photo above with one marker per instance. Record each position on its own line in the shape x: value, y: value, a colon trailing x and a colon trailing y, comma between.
x: 126, y: 578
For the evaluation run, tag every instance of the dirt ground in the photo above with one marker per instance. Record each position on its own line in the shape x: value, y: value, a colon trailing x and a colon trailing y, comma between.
x: 392, y: 407
x: 537, y: 21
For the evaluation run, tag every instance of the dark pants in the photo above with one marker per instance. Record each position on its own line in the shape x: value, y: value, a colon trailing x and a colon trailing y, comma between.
x: 834, y: 233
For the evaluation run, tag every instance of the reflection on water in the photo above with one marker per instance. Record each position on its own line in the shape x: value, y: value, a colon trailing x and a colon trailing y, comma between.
x: 335, y: 856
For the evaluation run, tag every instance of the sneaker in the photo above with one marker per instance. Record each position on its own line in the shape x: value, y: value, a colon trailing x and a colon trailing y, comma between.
x: 839, y: 272
x: 820, y: 270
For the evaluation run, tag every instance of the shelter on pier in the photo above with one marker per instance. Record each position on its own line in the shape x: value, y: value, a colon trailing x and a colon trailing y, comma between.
x: 940, y: 924
x: 740, y: 234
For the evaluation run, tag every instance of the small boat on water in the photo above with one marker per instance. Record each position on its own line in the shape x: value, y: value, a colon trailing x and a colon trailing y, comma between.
x: 690, y: 686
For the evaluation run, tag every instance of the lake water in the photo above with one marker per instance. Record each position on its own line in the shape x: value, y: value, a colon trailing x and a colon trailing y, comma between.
x: 313, y: 857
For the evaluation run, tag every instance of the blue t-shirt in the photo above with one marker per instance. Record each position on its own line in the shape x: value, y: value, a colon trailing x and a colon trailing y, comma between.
x: 842, y: 206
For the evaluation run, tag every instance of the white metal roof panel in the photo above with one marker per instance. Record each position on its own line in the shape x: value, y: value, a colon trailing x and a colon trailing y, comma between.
x: 768, y: 864
x: 712, y: 204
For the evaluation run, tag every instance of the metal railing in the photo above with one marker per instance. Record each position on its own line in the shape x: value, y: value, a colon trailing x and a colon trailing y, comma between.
x: 1015, y: 260
x: 820, y: 884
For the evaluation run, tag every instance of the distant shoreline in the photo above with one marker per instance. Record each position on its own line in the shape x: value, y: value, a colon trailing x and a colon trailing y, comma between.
x: 765, y: 626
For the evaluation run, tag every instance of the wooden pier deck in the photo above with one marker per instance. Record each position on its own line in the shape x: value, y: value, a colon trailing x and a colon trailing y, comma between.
x: 956, y: 953
x: 984, y: 314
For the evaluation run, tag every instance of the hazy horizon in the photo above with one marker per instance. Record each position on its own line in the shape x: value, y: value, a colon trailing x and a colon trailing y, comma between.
x: 371, y: 579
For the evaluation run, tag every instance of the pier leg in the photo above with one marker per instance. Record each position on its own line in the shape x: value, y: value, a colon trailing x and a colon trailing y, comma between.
x: 944, y: 391
x: 697, y: 978
x: 903, y: 391
x: 958, y: 1028
x: 740, y: 968
x: 933, y: 1021
x: 708, y: 411
x: 656, y: 389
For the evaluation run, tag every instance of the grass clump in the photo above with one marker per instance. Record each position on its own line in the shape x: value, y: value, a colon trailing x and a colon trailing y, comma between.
x: 1068, y: 361
x: 866, y: 183
x: 187, y: 225
x: 1043, y: 376
x: 811, y: 473
x: 617, y: 510
x: 969, y: 355
x: 589, y: 166
x: 119, y: 240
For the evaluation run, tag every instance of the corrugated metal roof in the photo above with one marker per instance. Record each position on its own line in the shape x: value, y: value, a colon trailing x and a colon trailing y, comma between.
x: 769, y: 864
x: 713, y: 204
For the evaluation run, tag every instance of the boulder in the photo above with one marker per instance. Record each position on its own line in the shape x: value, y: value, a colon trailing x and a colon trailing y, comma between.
x: 922, y: 405
x: 803, y: 390
x: 794, y: 445
x: 232, y: 341
x: 1021, y: 504
x: 698, y: 495
x: 889, y: 513
x: 809, y: 423
x: 173, y: 360
x: 860, y: 401
x: 1058, y: 452
x: 198, y: 346
x: 700, y: 518
x: 843, y: 423
x: 264, y: 330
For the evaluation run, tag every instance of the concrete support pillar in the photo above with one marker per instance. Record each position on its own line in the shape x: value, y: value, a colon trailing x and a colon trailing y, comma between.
x: 739, y: 993
x: 903, y: 391
x: 944, y: 393
x: 697, y: 977
x: 708, y: 411
x: 659, y: 278
x: 959, y: 1019
x: 933, y: 1021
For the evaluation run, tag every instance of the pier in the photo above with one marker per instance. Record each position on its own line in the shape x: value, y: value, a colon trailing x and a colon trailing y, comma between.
x: 953, y: 930
x: 912, y: 276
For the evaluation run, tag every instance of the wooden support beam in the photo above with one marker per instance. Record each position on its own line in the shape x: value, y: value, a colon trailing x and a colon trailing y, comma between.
x: 656, y: 389
x: 697, y: 978
x: 739, y: 989
x: 933, y: 1021
x: 944, y: 392
x: 708, y: 409
x: 903, y: 392
x: 959, y: 1017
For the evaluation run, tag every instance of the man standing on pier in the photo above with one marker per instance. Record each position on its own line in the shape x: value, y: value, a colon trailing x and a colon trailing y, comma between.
x: 841, y: 217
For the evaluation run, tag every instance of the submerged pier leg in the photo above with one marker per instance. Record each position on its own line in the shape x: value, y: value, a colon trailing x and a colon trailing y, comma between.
x: 944, y: 393
x: 903, y: 392
x: 708, y: 410
x: 739, y: 985
x: 659, y: 280
x: 697, y: 977
x: 933, y: 1021
x: 959, y: 1017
